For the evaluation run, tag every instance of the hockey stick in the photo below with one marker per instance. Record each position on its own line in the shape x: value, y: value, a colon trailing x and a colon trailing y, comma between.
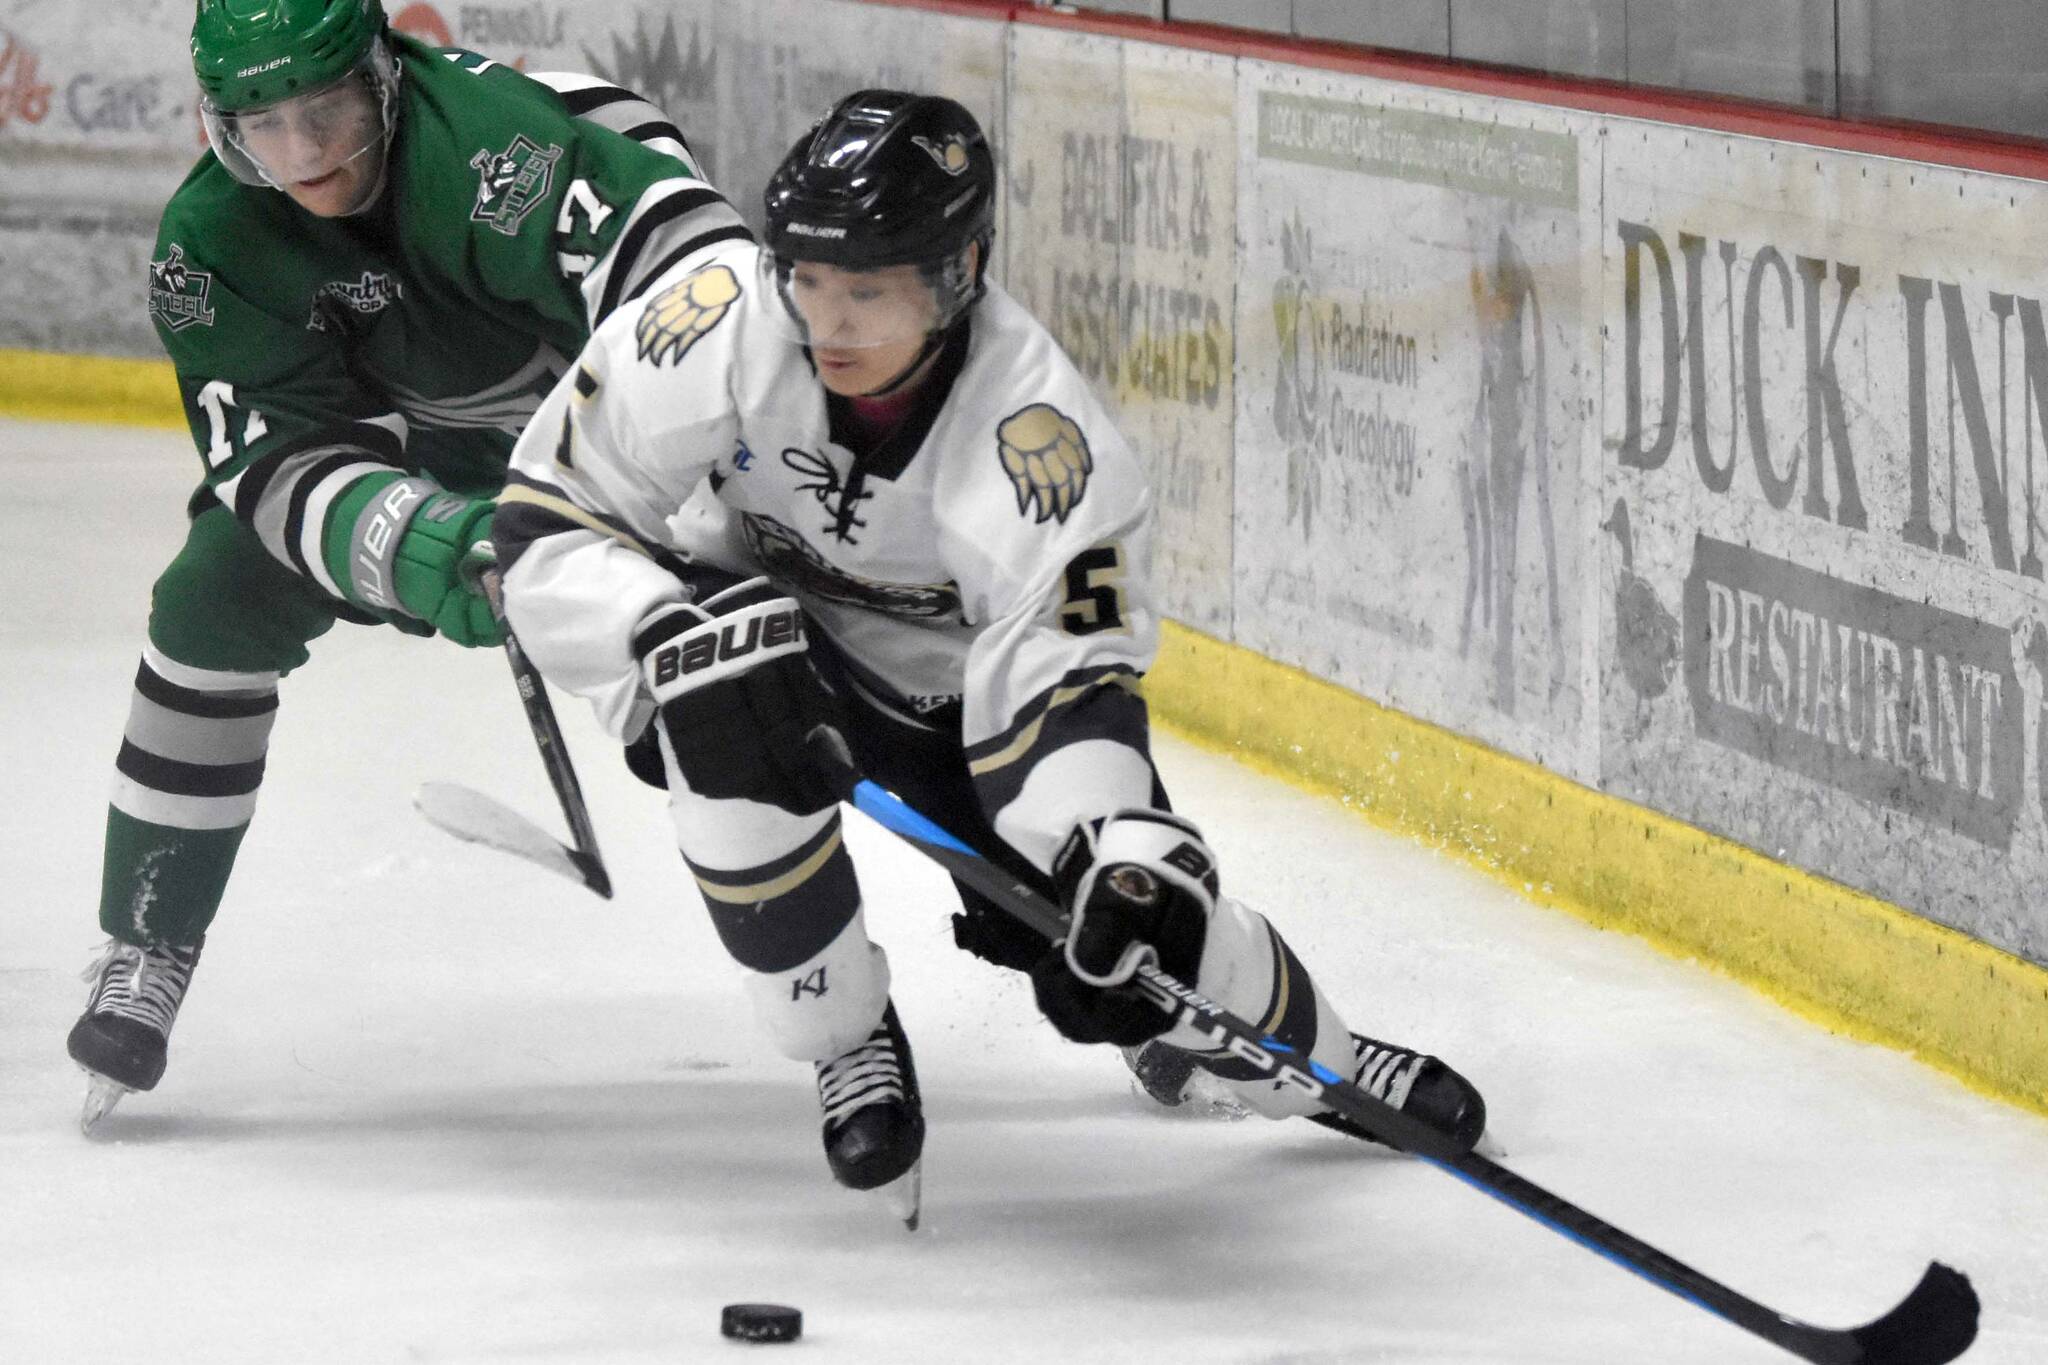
x: 476, y: 818
x: 1936, y: 1322
x: 554, y: 756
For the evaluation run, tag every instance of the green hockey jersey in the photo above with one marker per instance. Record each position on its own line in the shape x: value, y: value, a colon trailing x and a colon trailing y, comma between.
x: 319, y: 359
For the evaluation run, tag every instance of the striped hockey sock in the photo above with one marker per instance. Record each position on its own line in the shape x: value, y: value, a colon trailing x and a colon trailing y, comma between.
x: 185, y: 788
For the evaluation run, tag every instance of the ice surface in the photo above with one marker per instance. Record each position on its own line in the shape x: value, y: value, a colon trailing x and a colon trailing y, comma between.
x: 431, y: 1104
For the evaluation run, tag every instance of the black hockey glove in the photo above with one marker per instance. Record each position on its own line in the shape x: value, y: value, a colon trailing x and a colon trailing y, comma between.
x: 1139, y: 884
x: 739, y: 695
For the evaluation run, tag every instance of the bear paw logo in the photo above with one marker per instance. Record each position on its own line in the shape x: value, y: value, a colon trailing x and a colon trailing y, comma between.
x: 681, y: 314
x: 950, y: 154
x: 1047, y: 460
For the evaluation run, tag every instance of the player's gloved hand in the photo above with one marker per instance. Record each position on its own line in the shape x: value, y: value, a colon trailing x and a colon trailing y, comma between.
x: 739, y: 695
x: 436, y: 571
x: 1139, y: 885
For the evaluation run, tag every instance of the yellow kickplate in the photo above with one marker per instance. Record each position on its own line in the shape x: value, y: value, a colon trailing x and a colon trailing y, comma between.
x: 1849, y: 961
x: 45, y: 386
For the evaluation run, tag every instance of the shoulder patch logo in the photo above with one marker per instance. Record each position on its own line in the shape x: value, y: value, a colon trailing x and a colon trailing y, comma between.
x: 951, y: 154
x: 676, y: 318
x: 511, y: 182
x: 366, y: 297
x: 1047, y: 460
x: 177, y: 293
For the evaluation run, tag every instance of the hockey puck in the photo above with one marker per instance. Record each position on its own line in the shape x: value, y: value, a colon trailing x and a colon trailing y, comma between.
x: 761, y: 1322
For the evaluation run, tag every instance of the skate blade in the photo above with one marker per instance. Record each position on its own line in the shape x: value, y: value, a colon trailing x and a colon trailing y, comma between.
x: 904, y: 1196
x: 101, y: 1095
x: 1210, y: 1097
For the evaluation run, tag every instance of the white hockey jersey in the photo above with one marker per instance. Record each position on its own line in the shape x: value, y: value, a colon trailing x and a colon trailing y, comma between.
x: 989, y: 559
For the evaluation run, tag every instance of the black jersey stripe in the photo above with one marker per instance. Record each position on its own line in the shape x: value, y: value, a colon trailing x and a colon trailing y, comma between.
x: 1074, y: 688
x: 188, y: 701
x: 627, y: 250
x: 737, y: 232
x: 581, y: 102
x: 654, y: 128
x: 176, y: 778
x: 519, y: 523
x: 771, y: 925
x: 302, y: 493
x: 372, y: 441
x: 1109, y: 708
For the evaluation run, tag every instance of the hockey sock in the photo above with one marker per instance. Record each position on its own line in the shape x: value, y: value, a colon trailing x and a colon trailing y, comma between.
x: 185, y: 788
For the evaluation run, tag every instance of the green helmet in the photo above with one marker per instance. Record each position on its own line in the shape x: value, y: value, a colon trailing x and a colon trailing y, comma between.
x: 248, y: 53
x: 255, y: 59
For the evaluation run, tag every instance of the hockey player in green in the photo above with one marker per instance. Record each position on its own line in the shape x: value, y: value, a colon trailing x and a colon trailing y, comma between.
x: 366, y: 288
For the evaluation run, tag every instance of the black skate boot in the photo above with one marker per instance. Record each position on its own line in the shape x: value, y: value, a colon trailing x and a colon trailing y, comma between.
x: 874, y: 1119
x: 1162, y: 1072
x: 1419, y: 1086
x: 122, y: 1038
x: 1172, y: 1078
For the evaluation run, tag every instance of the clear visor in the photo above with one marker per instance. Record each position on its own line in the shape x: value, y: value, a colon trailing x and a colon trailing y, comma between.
x: 312, y: 135
x: 829, y: 307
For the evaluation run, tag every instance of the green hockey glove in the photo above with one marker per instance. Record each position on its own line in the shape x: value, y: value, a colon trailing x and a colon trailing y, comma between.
x: 403, y: 542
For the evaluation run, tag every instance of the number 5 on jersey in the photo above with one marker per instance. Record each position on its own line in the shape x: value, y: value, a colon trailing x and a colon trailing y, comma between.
x: 1095, y: 591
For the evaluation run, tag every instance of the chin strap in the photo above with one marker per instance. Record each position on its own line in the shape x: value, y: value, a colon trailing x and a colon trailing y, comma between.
x: 932, y: 342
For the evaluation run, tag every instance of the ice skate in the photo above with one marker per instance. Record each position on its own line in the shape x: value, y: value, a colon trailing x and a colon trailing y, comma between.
x: 1171, y: 1078
x: 122, y: 1039
x: 1159, y: 1072
x: 874, y: 1119
x: 1418, y: 1085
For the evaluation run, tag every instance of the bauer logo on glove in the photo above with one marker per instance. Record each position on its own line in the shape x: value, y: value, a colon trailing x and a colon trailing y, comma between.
x: 774, y: 627
x: 738, y: 696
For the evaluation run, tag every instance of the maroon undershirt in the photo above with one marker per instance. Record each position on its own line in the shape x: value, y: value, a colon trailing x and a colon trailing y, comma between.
x: 874, y: 418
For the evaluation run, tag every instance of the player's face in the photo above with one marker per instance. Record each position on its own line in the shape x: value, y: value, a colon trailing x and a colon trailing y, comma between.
x: 324, y: 149
x: 865, y: 326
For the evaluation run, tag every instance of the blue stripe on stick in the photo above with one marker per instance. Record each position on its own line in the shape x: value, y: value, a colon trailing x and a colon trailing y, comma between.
x: 881, y: 806
x: 1564, y: 1229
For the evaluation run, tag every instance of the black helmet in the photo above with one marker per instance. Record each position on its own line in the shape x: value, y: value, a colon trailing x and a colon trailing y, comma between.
x: 886, y: 178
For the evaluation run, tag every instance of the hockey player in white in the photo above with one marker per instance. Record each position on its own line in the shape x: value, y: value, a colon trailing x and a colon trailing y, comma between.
x: 842, y: 479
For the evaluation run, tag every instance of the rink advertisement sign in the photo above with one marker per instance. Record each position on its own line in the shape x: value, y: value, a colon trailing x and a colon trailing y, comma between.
x: 24, y: 95
x: 1894, y: 702
x: 1411, y: 414
x: 1122, y: 188
x: 1469, y: 156
x: 1827, y: 415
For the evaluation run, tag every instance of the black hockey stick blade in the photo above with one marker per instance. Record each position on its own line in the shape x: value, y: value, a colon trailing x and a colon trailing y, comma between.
x: 1934, y: 1324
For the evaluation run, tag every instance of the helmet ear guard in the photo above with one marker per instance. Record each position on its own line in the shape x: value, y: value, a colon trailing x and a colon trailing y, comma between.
x: 957, y: 282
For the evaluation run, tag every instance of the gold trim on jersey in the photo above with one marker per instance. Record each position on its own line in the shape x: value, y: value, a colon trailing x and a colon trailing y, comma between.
x: 756, y: 892
x: 1028, y: 736
x: 569, y: 511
